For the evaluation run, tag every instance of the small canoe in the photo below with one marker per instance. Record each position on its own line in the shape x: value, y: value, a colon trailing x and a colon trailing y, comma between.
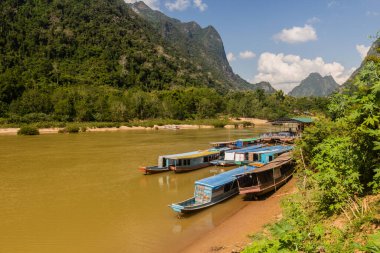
x: 153, y: 169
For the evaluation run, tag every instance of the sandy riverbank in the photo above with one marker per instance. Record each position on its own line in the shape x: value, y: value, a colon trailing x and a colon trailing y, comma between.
x: 13, y: 131
x: 232, y: 234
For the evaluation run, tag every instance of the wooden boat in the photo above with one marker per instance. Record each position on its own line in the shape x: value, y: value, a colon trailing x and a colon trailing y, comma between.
x: 153, y: 169
x: 164, y: 163
x: 268, y: 177
x: 212, y: 190
x: 230, y: 156
x: 198, y: 160
x: 261, y: 155
x: 286, y: 137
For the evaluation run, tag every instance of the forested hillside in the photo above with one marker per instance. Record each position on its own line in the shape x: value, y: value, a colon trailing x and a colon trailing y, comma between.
x: 98, y: 60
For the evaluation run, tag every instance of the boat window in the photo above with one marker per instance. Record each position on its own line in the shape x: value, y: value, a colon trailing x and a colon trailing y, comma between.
x: 270, y: 158
x: 255, y: 157
x: 227, y: 187
x: 179, y: 162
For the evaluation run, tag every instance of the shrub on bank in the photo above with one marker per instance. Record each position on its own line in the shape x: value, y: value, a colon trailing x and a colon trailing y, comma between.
x: 28, y: 130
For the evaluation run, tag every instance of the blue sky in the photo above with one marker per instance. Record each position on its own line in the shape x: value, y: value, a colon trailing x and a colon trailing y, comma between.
x: 282, y: 41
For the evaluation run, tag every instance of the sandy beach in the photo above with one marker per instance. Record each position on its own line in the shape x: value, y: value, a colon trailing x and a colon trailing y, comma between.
x: 13, y: 131
x: 232, y: 234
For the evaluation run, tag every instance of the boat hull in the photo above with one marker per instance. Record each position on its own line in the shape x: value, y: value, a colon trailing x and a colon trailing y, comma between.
x: 186, y: 207
x: 153, y: 170
x: 259, y: 190
x: 180, y: 169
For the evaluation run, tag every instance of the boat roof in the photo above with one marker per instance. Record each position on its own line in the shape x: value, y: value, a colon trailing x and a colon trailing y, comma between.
x: 221, y: 142
x: 198, y: 154
x: 280, y: 160
x: 187, y: 153
x: 224, y: 178
x: 249, y: 139
x: 273, y: 149
x: 247, y: 149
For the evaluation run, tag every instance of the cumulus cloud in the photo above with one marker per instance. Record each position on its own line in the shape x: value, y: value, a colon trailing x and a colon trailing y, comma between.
x: 200, y: 5
x: 362, y: 50
x: 297, y: 34
x: 154, y: 4
x: 231, y: 57
x: 247, y: 54
x: 287, y: 71
x: 178, y: 5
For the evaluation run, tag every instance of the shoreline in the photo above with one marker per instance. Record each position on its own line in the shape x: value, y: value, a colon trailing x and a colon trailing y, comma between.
x: 232, y: 235
x: 54, y: 130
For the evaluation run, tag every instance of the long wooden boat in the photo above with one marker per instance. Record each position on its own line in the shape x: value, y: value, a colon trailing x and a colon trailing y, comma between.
x: 261, y: 155
x: 284, y: 137
x: 198, y: 160
x: 268, y: 177
x: 164, y: 163
x: 153, y: 169
x: 212, y: 190
x: 230, y: 156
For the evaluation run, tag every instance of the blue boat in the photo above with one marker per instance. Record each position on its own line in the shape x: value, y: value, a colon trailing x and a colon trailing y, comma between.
x: 229, y: 156
x: 261, y: 156
x: 212, y: 190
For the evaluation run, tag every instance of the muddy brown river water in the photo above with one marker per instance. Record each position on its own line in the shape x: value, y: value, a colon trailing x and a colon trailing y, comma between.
x: 82, y: 193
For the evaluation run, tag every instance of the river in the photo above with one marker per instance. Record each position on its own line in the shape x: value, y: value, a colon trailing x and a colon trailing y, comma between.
x: 79, y: 193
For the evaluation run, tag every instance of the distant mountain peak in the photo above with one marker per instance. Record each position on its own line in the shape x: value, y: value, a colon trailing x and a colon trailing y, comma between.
x: 314, y: 85
x: 202, y: 46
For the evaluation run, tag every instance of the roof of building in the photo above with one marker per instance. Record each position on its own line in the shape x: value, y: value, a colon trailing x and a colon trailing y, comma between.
x: 224, y: 178
x: 298, y: 120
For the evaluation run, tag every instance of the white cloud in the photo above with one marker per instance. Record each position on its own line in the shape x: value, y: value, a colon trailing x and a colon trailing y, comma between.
x: 247, y: 54
x: 362, y: 50
x: 200, y: 5
x: 372, y: 14
x: 313, y: 20
x: 287, y: 71
x: 178, y: 5
x: 297, y: 34
x: 332, y: 3
x: 154, y: 4
x: 231, y: 57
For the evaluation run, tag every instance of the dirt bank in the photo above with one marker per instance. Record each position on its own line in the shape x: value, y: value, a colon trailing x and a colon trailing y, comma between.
x: 232, y: 234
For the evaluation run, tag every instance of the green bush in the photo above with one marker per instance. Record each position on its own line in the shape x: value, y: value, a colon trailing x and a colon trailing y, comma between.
x: 28, y: 130
x: 72, y: 129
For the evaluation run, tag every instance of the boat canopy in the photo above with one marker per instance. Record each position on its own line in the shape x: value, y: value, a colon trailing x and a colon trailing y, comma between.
x: 273, y: 149
x: 280, y: 160
x: 247, y: 149
x: 195, y: 155
x: 224, y: 178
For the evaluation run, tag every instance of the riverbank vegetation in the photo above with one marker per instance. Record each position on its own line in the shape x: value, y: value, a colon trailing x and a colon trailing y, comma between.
x: 108, y: 104
x: 337, y: 206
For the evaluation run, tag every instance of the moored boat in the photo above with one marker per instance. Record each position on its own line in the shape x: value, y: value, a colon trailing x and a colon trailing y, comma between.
x: 189, y: 162
x: 212, y: 190
x: 153, y: 169
x: 230, y: 156
x: 268, y: 177
x: 261, y: 155
x: 164, y: 163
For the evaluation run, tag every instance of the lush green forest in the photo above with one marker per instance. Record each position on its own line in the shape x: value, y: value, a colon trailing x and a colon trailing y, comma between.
x: 98, y: 61
x: 336, y: 208
x: 108, y: 104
